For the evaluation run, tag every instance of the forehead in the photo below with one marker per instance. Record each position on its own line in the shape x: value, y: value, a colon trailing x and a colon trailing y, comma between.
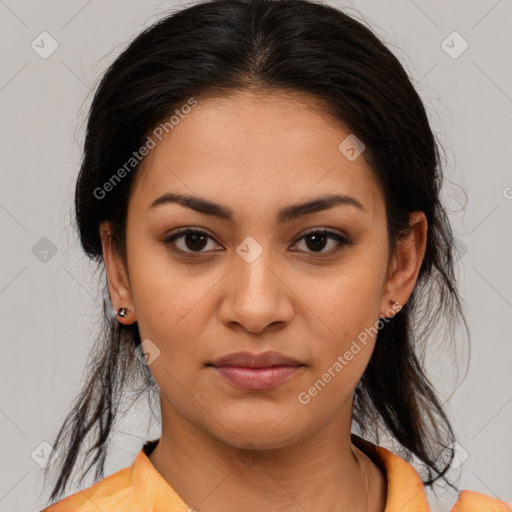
x: 252, y: 147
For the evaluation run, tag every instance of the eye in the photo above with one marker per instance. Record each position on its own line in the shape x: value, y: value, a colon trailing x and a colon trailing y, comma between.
x: 188, y: 240
x: 192, y: 241
x: 317, y: 240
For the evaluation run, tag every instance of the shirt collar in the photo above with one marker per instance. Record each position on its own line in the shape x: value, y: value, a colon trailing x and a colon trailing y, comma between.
x: 405, y: 490
x: 151, y: 488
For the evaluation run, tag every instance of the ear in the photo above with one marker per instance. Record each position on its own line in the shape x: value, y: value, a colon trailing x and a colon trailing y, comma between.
x: 117, y: 276
x: 405, y: 265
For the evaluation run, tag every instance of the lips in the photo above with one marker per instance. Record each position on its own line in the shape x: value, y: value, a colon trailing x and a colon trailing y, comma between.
x: 256, y: 372
x: 263, y: 360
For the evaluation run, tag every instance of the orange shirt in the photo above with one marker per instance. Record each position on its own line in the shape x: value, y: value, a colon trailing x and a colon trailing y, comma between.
x: 140, y: 488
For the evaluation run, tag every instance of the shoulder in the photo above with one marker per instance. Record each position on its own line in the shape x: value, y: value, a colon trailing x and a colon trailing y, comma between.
x: 470, y: 501
x: 407, y: 493
x: 113, y: 492
x: 132, y: 489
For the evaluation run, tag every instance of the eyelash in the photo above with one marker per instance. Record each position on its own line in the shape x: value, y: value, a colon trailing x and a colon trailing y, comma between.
x: 340, y: 239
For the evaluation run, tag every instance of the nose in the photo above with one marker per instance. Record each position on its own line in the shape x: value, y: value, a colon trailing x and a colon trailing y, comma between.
x: 256, y: 296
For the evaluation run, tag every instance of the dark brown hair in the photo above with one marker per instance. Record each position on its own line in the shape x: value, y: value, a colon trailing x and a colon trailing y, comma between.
x: 219, y: 46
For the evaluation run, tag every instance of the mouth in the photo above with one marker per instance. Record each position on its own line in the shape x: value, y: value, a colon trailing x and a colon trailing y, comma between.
x: 256, y: 372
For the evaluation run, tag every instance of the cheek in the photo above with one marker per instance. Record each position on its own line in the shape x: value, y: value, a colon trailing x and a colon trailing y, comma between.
x: 348, y: 300
x: 339, y: 362
x: 169, y: 308
x: 346, y: 309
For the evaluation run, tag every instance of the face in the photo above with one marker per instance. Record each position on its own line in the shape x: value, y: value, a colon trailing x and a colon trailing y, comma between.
x: 271, y: 262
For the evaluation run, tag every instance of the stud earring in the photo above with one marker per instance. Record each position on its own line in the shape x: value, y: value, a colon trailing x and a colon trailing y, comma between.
x: 122, y: 312
x: 396, y: 306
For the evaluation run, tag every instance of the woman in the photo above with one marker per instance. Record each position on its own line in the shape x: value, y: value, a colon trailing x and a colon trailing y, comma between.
x: 261, y: 184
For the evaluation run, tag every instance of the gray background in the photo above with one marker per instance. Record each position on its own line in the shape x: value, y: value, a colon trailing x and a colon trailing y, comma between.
x: 50, y: 302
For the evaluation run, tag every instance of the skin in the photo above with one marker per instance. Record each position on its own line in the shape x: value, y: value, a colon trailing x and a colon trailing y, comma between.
x: 222, y: 448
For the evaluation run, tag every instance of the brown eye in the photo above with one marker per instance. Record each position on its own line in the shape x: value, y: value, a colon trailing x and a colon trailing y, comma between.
x: 195, y: 241
x: 188, y: 241
x: 317, y: 240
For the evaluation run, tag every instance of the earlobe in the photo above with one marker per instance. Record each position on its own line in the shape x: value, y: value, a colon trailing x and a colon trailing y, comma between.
x: 393, y: 310
x: 406, y: 262
x: 118, y: 282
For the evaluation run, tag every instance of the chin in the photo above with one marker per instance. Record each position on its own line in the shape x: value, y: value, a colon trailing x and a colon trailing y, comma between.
x: 262, y: 432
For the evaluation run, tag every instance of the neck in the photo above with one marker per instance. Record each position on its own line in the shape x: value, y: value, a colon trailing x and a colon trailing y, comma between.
x: 321, y: 472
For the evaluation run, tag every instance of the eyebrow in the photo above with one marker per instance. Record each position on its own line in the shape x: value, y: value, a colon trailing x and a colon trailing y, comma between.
x: 286, y: 214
